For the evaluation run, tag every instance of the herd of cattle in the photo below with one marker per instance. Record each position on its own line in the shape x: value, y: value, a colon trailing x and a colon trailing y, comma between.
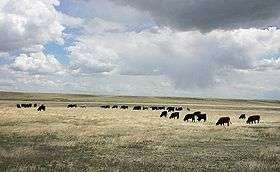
x: 172, y: 110
x: 30, y: 105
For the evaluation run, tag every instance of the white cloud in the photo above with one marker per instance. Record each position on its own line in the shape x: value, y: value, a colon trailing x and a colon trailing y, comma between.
x: 25, y: 23
x: 37, y: 63
x: 191, y: 59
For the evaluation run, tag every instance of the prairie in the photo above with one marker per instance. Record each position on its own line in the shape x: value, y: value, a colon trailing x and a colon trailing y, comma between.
x: 95, y: 139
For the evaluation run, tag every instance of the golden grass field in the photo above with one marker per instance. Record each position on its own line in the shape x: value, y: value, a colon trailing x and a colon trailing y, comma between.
x: 95, y: 139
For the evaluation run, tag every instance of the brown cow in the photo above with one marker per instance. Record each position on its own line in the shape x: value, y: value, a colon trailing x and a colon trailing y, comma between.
x: 223, y: 120
x: 253, y: 119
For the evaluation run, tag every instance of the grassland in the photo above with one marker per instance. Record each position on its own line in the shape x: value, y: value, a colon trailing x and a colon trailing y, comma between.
x: 95, y: 139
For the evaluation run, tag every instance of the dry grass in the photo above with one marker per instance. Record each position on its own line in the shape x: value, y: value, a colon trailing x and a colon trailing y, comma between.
x: 95, y: 139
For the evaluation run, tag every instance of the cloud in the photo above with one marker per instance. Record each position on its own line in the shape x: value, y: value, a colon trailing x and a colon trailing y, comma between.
x: 189, y: 59
x: 207, y: 15
x: 27, y: 23
x: 37, y: 63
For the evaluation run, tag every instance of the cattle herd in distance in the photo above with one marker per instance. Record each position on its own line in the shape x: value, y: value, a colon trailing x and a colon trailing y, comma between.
x: 172, y: 110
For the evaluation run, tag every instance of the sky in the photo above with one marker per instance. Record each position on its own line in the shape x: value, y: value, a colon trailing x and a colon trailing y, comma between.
x: 190, y: 48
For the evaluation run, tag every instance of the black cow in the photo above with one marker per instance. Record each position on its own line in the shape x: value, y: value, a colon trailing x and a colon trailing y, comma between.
x: 253, y: 119
x: 174, y: 115
x: 29, y: 105
x: 154, y: 107
x: 145, y: 108
x: 35, y: 105
x: 163, y: 114
x: 189, y: 116
x: 105, y: 106
x: 72, y: 106
x: 179, y: 108
x: 169, y: 109
x: 242, y: 116
x: 201, y: 116
x: 223, y: 120
x: 137, y: 108
x: 115, y: 107
x: 161, y: 108
x: 124, y: 107
x: 41, y: 108
x: 83, y: 106
x: 18, y: 106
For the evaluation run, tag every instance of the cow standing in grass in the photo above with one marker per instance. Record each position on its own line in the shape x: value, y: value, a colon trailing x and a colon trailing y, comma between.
x: 242, y: 116
x: 42, y: 108
x: 189, y: 116
x: 223, y: 120
x: 253, y: 119
x: 174, y: 115
x: 163, y: 114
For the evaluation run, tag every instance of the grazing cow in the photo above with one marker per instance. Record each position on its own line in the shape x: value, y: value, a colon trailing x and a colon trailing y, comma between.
x: 115, y: 107
x: 242, y: 116
x: 161, y: 108
x: 83, y: 106
x: 105, y: 106
x: 18, y: 106
x: 124, y: 107
x: 201, y: 116
x: 174, y: 115
x: 42, y: 108
x: 145, y: 108
x: 169, y: 109
x: 179, y: 108
x: 26, y: 105
x: 72, y: 106
x: 188, y: 109
x: 154, y: 107
x: 163, y: 114
x: 189, y: 116
x: 223, y: 120
x: 137, y: 108
x: 35, y: 105
x: 253, y: 119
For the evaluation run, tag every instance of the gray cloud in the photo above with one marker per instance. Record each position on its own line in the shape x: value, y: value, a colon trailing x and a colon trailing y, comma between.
x: 207, y: 15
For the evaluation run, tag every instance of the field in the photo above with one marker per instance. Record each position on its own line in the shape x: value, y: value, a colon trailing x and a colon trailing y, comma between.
x: 95, y: 139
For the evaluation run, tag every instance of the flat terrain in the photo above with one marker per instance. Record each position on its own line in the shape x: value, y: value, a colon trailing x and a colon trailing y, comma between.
x: 95, y: 139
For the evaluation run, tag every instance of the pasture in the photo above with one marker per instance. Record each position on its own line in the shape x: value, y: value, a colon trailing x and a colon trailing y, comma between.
x: 95, y: 139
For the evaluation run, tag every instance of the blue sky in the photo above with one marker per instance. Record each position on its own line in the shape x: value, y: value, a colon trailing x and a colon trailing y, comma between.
x: 151, y: 48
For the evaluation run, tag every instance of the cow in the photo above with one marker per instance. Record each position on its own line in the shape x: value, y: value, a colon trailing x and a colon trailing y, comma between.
x: 253, y: 119
x: 179, y: 108
x: 154, y: 107
x: 223, y: 120
x: 41, y: 108
x: 145, y: 108
x: 72, y: 106
x: 242, y: 116
x: 163, y: 114
x: 174, y: 115
x: 18, y: 106
x: 137, y: 108
x: 170, y: 109
x: 105, y: 106
x: 189, y: 116
x: 83, y: 106
x: 124, y: 107
x: 201, y: 116
x: 115, y: 107
x: 161, y: 108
